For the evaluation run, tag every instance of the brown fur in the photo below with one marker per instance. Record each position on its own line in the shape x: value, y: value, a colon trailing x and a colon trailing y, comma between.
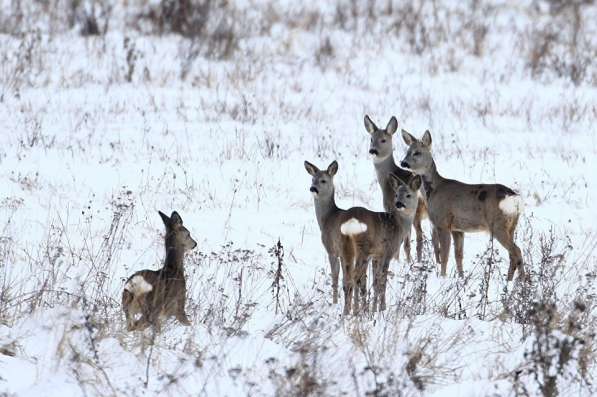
x: 456, y: 208
x: 382, y: 149
x: 382, y: 239
x: 168, y: 286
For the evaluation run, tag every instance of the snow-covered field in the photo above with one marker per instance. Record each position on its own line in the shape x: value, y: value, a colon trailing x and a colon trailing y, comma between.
x: 99, y: 133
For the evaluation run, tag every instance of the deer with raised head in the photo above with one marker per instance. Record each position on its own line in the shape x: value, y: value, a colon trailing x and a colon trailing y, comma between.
x: 152, y: 295
x: 381, y: 150
x: 456, y: 208
x: 357, y: 235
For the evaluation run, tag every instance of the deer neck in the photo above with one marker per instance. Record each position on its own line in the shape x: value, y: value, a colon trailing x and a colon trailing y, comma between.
x: 174, y: 260
x: 403, y: 220
x: 431, y: 179
x: 324, y: 208
x: 384, y: 167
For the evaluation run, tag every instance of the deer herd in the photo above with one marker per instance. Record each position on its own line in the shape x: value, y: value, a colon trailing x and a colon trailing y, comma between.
x: 355, y: 237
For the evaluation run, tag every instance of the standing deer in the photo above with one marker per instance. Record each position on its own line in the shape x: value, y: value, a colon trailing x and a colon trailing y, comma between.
x: 357, y: 235
x: 150, y: 295
x: 381, y: 149
x: 456, y: 208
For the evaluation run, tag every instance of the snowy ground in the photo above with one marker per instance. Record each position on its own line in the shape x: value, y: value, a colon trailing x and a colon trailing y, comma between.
x: 87, y: 158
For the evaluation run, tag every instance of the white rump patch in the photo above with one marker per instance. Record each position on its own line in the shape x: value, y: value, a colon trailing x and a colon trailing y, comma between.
x: 138, y: 286
x: 511, y: 205
x: 352, y: 227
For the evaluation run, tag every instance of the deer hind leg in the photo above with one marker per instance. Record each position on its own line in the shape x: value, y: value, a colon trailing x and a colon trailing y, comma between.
x: 146, y: 319
x: 181, y: 316
x: 335, y: 269
x: 505, y: 235
x: 444, y: 245
x: 360, y: 290
x: 458, y: 250
x: 127, y: 300
x: 421, y: 209
x: 347, y: 281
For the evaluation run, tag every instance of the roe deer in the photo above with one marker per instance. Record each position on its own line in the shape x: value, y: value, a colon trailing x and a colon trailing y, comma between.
x: 357, y: 235
x: 150, y: 294
x: 381, y: 149
x: 456, y: 208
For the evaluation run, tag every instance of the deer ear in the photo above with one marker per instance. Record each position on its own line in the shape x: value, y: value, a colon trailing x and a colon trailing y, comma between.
x: 369, y: 125
x: 333, y: 168
x: 165, y: 218
x: 415, y: 182
x: 426, y: 140
x: 175, y: 219
x: 395, y: 181
x: 392, y: 126
x: 408, y: 138
x: 311, y: 169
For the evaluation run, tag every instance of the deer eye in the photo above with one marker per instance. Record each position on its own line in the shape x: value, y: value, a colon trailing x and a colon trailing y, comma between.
x: 383, y: 141
x: 416, y: 153
x: 322, y: 181
x: 408, y: 196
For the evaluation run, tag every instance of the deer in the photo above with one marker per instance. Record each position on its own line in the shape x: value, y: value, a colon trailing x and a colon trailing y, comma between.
x: 354, y: 236
x: 456, y: 208
x: 381, y: 151
x: 152, y: 295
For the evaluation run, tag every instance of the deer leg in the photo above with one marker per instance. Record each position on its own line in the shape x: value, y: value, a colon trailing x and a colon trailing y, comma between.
x: 385, y: 264
x: 363, y: 286
x: 127, y: 299
x: 506, y: 239
x: 360, y: 291
x: 435, y: 243
x: 406, y: 248
x: 419, y: 229
x: 355, y: 291
x: 347, y: 283
x: 458, y: 250
x: 181, y: 316
x: 444, y: 246
x: 375, y: 265
x: 335, y: 268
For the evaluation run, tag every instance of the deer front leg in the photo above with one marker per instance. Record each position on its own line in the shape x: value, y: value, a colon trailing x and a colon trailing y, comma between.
x: 383, y: 283
x: 406, y: 248
x: 419, y: 229
x: 435, y: 243
x: 375, y: 264
x: 335, y: 269
x: 458, y: 251
x: 444, y: 245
